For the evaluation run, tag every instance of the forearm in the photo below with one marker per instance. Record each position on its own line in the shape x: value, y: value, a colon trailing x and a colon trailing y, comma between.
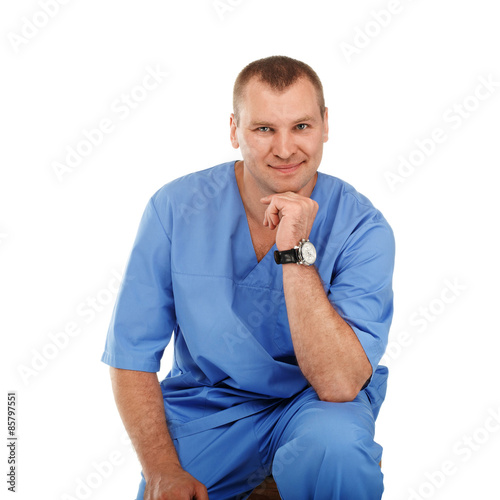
x: 327, y: 349
x: 139, y: 400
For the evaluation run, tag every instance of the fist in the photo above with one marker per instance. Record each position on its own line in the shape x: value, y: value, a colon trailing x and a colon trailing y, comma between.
x: 292, y: 214
x: 174, y: 484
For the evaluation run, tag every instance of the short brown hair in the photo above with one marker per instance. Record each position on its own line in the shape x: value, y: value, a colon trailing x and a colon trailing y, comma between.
x: 279, y: 72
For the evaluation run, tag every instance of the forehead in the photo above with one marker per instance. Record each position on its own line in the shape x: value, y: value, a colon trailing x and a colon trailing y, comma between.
x: 261, y: 103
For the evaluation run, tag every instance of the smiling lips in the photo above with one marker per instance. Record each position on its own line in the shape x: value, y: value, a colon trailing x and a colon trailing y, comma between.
x: 287, y: 168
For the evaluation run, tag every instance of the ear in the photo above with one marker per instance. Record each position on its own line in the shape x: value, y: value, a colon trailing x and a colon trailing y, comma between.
x: 325, y: 125
x: 233, y: 133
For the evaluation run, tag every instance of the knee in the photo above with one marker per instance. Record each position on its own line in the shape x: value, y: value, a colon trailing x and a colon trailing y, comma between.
x: 329, y: 455
x: 316, y: 449
x: 330, y: 465
x: 340, y: 447
x: 345, y: 443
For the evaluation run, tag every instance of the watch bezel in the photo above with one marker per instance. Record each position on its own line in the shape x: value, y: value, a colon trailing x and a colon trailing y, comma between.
x: 302, y: 260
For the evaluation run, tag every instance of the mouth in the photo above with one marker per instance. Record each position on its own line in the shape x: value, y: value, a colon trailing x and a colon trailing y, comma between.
x: 286, y: 169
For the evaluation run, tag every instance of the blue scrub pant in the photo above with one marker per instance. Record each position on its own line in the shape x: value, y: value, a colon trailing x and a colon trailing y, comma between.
x: 314, y: 449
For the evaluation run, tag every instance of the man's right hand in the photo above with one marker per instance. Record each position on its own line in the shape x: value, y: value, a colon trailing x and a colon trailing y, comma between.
x: 140, y: 402
x: 174, y: 483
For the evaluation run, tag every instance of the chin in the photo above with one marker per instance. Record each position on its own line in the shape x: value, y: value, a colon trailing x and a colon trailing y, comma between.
x: 295, y: 184
x: 283, y: 187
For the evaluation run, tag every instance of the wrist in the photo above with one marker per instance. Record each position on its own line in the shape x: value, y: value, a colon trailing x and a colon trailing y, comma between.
x: 168, y: 468
x: 288, y: 245
x: 303, y: 253
x: 292, y: 271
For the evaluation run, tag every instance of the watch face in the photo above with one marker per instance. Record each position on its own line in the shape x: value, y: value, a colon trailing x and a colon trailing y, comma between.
x: 308, y: 253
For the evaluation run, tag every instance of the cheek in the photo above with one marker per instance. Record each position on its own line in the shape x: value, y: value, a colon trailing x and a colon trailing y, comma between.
x: 244, y: 146
x: 314, y: 147
x: 255, y: 147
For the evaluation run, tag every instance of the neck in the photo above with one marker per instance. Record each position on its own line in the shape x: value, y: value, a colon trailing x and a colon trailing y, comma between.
x: 250, y: 195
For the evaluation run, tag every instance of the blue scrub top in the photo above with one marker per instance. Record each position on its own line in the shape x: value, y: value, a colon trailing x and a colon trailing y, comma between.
x: 193, y: 272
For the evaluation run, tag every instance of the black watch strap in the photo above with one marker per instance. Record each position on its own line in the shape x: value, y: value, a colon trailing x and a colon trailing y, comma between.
x: 286, y: 256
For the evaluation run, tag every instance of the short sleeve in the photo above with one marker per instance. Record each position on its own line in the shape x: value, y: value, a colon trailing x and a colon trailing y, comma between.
x: 361, y: 286
x: 144, y: 316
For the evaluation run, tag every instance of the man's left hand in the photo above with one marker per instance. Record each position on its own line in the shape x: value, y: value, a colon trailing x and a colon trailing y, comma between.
x: 292, y: 214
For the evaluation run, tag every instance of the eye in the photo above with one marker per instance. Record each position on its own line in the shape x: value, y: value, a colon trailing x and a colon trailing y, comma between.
x: 264, y: 129
x: 302, y: 126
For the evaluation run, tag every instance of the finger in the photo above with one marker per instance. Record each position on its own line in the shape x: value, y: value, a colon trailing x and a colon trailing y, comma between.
x: 271, y: 217
x: 268, y: 222
x: 275, y: 219
x: 273, y: 208
x: 201, y: 492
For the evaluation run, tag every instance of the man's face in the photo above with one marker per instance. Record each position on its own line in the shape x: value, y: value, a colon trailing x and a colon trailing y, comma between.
x: 281, y: 136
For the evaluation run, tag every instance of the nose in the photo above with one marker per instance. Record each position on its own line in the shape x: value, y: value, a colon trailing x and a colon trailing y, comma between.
x: 283, y: 145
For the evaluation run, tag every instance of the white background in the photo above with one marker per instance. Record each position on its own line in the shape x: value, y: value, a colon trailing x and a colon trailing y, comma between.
x: 63, y: 238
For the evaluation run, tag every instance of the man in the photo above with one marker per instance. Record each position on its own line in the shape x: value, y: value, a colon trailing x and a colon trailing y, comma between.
x: 276, y: 281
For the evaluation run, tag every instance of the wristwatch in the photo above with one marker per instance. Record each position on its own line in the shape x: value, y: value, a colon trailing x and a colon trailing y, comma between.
x: 304, y: 253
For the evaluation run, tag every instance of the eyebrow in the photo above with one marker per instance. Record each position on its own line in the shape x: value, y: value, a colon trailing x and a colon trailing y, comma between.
x: 257, y: 123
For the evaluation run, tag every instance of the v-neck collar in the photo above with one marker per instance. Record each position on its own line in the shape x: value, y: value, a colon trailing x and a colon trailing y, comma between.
x: 246, y: 228
x: 248, y: 252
